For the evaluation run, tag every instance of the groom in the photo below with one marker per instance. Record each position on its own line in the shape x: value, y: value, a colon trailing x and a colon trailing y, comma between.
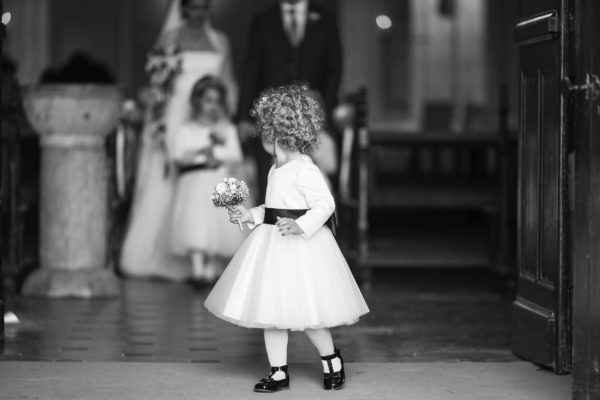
x: 292, y: 41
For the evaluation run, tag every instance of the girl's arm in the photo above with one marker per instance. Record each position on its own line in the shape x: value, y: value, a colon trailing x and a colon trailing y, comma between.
x: 178, y: 145
x: 253, y: 217
x: 201, y: 156
x: 311, y: 183
x: 230, y: 150
x: 258, y: 216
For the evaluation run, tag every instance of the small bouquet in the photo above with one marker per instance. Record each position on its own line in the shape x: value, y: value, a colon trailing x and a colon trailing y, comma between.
x: 162, y: 66
x: 230, y: 192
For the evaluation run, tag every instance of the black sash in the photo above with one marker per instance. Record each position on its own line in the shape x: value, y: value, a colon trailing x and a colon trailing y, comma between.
x: 271, y: 215
x: 182, y: 169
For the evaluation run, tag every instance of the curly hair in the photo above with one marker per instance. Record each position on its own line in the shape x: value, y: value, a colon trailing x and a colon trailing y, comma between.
x: 291, y: 115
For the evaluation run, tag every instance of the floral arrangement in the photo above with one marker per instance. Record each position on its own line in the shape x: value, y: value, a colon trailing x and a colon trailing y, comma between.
x: 230, y: 192
x: 162, y: 66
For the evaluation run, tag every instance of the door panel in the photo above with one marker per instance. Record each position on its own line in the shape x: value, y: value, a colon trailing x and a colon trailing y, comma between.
x: 539, y: 310
x: 529, y: 174
x: 550, y: 185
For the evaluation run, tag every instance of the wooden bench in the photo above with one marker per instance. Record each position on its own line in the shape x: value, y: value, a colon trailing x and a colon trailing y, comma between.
x: 432, y: 171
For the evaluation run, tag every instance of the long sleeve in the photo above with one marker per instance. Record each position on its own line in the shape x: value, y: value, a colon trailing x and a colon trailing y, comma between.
x: 258, y: 214
x: 334, y: 67
x: 231, y: 151
x: 312, y: 185
x: 252, y: 71
x: 228, y: 77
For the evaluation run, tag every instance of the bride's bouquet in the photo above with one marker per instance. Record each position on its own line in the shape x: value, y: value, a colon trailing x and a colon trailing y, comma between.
x: 162, y: 66
x: 230, y: 192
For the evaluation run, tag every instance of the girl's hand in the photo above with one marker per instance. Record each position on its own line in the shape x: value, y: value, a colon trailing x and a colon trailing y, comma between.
x: 188, y: 156
x: 211, y: 161
x: 288, y: 226
x: 239, y: 214
x: 217, y: 139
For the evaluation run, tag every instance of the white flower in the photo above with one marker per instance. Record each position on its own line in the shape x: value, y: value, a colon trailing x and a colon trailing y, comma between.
x: 233, y: 187
x: 221, y: 188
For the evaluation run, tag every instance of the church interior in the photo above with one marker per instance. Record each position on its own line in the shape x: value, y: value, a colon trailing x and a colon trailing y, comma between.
x: 427, y: 189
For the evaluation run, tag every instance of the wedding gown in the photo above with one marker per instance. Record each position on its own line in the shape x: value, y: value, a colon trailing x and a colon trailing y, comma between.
x: 146, y: 250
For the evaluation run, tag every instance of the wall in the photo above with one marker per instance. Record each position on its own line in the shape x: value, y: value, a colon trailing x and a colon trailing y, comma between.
x: 230, y: 16
x: 117, y: 32
x: 28, y: 37
x: 448, y: 58
x: 120, y: 33
x: 502, y: 56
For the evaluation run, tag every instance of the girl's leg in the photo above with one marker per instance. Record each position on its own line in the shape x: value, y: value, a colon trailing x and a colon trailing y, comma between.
x: 198, y: 265
x: 276, y: 341
x: 322, y: 340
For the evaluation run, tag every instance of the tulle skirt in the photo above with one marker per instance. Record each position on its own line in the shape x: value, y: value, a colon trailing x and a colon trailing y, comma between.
x: 287, y: 282
x: 197, y: 224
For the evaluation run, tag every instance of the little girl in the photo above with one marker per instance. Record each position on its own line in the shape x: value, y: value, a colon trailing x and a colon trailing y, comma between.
x: 203, y: 150
x: 290, y: 273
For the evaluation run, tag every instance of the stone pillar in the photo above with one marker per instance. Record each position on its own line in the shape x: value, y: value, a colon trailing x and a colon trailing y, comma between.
x: 73, y: 121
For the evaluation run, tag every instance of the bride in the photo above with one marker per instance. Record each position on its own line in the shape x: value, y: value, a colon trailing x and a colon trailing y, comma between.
x: 203, y: 50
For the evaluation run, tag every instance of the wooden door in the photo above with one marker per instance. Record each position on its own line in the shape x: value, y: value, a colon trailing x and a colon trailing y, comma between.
x: 584, y: 85
x: 540, y: 328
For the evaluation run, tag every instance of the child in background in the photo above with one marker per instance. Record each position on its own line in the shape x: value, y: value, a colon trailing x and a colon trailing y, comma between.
x: 203, y: 151
x: 290, y: 273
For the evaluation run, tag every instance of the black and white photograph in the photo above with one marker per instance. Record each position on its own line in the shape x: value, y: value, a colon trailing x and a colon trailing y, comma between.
x: 367, y: 199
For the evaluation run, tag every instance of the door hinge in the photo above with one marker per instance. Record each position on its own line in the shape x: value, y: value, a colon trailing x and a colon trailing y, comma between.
x: 591, y: 87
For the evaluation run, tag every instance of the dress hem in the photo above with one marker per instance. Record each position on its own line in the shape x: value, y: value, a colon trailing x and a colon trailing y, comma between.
x: 253, y: 325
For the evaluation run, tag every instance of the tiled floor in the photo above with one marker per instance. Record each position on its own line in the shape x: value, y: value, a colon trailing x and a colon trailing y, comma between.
x: 428, y: 315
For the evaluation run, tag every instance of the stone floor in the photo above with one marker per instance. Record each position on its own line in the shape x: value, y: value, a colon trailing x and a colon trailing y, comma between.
x: 416, y: 316
x: 365, y: 381
x: 431, y: 334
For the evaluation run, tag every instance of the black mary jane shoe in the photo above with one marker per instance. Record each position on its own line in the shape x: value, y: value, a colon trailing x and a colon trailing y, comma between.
x: 333, y: 380
x: 270, y: 385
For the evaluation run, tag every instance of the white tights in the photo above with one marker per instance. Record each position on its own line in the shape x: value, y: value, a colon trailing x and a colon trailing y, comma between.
x: 276, y: 341
x: 203, y: 267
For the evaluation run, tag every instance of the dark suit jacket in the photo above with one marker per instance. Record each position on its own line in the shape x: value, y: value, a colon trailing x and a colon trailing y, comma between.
x: 272, y: 61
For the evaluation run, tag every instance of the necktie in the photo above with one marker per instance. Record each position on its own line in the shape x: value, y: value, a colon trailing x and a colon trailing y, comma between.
x: 293, y: 27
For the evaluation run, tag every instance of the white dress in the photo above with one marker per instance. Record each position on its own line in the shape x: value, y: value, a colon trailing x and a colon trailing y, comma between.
x: 292, y: 282
x: 197, y: 225
x: 146, y: 250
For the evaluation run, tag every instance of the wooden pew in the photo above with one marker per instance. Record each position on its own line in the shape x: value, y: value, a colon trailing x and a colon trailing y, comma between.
x: 434, y: 171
